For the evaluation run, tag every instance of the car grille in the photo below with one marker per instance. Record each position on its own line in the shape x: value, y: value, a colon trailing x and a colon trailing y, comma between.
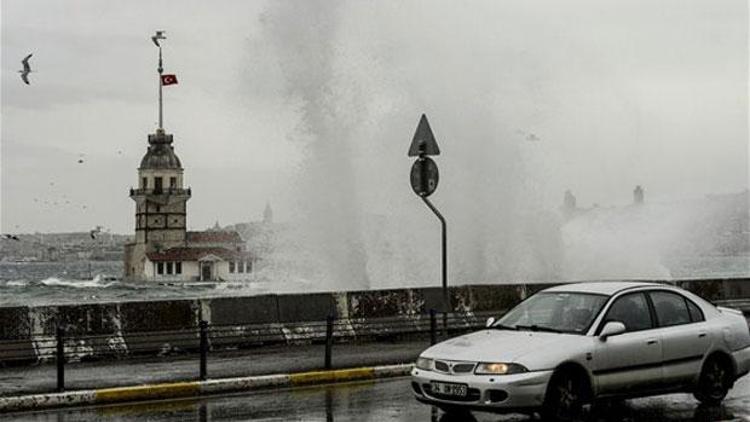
x: 462, y: 368
x: 454, y: 368
x: 442, y: 366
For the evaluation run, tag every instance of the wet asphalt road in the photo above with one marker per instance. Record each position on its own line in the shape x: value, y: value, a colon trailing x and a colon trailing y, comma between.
x: 384, y: 400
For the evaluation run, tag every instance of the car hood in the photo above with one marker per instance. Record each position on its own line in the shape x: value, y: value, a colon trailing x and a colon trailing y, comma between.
x: 505, y: 346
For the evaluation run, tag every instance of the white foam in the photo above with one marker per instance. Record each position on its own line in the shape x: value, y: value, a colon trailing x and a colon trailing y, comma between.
x: 54, y: 281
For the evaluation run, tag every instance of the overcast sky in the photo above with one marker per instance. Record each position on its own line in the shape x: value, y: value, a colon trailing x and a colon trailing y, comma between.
x: 593, y: 96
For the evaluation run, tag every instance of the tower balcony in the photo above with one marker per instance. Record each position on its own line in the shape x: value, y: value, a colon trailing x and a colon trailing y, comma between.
x: 163, y: 191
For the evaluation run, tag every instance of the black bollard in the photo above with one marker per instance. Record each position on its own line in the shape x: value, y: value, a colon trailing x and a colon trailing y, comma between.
x: 60, y: 359
x: 329, y: 341
x: 204, y: 350
x: 433, y: 327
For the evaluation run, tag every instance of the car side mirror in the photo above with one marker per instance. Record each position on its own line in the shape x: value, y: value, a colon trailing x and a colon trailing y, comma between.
x: 612, y: 328
x: 490, y: 321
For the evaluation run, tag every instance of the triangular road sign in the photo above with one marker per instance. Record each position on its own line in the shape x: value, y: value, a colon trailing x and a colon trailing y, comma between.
x: 424, y: 141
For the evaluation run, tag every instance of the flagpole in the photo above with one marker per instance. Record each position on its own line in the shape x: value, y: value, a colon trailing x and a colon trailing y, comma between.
x: 161, y: 107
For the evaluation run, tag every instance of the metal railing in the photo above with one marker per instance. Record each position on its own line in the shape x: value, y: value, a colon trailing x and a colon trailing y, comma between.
x: 155, y: 191
x: 64, y: 347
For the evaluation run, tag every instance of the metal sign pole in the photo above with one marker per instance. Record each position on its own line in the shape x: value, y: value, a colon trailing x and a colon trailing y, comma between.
x: 424, y: 181
x: 446, y: 303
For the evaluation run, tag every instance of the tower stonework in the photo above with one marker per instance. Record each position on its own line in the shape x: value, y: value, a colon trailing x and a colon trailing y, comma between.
x: 160, y: 205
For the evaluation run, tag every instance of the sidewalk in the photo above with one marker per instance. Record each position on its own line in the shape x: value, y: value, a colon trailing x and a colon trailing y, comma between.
x: 239, y: 363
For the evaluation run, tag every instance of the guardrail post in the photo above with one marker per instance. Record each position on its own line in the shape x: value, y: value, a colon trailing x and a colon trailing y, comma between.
x: 329, y: 341
x: 203, y: 412
x: 204, y: 349
x: 60, y: 358
x: 433, y: 327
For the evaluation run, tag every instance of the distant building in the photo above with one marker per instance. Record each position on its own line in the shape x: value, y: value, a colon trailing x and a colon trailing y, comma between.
x: 163, y: 249
x: 638, y: 195
x: 569, y: 202
x: 268, y: 214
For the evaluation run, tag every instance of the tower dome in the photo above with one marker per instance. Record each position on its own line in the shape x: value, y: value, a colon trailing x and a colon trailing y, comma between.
x: 160, y: 154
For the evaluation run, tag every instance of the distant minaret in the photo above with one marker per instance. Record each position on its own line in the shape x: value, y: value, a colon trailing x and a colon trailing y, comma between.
x: 638, y: 195
x: 160, y: 198
x: 268, y: 214
x: 569, y: 202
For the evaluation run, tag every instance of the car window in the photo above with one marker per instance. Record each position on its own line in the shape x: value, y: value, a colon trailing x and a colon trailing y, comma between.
x: 696, y: 315
x: 671, y: 309
x: 632, y: 310
x: 558, y: 311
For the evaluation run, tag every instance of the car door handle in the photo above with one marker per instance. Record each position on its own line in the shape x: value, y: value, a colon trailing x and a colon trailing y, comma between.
x: 701, y: 335
x: 652, y: 341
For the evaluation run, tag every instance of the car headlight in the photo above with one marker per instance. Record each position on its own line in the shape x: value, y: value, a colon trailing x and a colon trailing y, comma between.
x: 424, y: 363
x: 499, y: 368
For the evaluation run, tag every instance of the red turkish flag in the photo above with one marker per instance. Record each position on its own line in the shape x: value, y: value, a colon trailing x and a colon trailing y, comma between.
x: 168, y: 79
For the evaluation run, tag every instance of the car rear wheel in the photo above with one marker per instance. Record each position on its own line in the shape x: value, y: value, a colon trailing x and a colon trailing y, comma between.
x: 714, y: 381
x: 567, y: 395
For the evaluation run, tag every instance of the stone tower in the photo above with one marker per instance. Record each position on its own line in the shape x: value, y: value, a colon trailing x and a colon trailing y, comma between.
x: 160, y: 204
x: 268, y: 214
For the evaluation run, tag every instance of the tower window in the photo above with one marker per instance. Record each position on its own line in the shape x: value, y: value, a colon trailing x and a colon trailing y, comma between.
x: 157, y: 184
x: 172, y: 182
x: 160, y: 268
x: 249, y: 266
x: 169, y: 268
x: 144, y: 183
x: 241, y: 267
x: 231, y: 266
x: 178, y: 267
x: 158, y: 208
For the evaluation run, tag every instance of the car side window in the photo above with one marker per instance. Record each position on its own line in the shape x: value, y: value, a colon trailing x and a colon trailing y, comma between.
x: 632, y: 310
x: 671, y: 309
x: 696, y: 315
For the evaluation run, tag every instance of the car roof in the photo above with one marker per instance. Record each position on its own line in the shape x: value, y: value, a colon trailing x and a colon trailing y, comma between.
x: 601, y: 287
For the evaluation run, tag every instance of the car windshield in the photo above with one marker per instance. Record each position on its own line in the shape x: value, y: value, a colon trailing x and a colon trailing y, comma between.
x: 554, y: 312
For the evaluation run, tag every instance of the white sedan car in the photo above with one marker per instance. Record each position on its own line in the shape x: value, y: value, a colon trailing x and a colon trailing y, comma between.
x: 567, y: 346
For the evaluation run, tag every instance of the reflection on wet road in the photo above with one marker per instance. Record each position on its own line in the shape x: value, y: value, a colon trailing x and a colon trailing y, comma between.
x: 387, y: 400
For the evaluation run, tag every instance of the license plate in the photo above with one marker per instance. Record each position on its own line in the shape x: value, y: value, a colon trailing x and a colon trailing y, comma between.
x: 449, y: 389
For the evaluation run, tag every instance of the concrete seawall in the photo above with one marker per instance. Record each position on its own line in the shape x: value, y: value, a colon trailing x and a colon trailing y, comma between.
x: 27, y: 334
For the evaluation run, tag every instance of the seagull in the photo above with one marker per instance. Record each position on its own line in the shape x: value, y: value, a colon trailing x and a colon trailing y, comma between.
x: 528, y: 135
x: 26, y: 69
x: 95, y: 231
x: 159, y: 36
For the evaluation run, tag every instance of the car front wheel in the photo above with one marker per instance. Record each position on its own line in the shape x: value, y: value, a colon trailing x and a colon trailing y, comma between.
x: 714, y: 381
x: 567, y: 396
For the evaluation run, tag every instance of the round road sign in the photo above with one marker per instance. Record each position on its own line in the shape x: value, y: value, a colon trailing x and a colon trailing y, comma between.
x: 424, y: 176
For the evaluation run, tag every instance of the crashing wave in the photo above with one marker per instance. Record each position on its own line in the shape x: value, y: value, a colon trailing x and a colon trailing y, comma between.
x: 95, y: 283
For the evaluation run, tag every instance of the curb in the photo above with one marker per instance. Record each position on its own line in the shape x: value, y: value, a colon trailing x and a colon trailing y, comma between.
x: 196, y: 388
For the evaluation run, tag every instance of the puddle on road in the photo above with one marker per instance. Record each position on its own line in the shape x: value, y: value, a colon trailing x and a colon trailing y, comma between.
x: 381, y: 401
